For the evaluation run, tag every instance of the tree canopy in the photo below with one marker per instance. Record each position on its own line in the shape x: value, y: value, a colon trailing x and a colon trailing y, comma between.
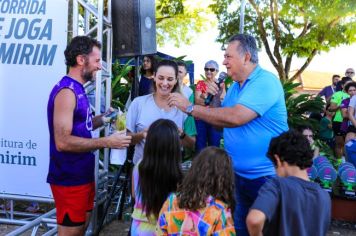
x: 290, y: 28
x: 178, y: 21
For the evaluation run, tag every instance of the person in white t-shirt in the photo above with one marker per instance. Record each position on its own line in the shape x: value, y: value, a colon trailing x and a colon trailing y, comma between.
x: 144, y: 110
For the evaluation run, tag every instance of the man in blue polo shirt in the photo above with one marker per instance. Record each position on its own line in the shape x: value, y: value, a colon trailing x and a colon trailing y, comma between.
x: 253, y: 112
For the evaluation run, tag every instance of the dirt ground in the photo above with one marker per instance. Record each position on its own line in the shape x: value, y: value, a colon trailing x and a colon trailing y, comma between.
x: 121, y: 228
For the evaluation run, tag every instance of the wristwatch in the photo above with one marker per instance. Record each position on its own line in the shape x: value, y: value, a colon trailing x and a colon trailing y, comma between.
x: 190, y: 109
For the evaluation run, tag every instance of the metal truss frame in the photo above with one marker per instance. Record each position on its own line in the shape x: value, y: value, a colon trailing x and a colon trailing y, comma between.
x: 96, y: 24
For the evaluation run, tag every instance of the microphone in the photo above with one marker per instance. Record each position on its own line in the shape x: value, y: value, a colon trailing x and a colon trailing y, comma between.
x: 222, y: 77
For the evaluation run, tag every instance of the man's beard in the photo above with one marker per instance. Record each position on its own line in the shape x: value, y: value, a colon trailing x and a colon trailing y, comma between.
x: 88, y: 76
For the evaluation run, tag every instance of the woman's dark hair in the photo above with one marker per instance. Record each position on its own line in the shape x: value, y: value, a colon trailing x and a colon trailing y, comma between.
x: 342, y: 82
x: 338, y: 86
x: 301, y: 128
x: 293, y: 148
x: 153, y: 64
x: 160, y: 169
x: 211, y: 174
x: 79, y: 45
x: 348, y: 85
x: 172, y: 64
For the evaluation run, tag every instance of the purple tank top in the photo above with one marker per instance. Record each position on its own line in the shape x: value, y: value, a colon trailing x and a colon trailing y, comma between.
x: 68, y: 168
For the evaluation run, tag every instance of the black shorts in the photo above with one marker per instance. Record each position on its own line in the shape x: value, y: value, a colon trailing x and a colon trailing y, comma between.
x: 337, y: 129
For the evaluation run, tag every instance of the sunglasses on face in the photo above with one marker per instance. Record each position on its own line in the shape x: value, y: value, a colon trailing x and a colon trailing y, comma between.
x: 350, y: 72
x: 209, y: 69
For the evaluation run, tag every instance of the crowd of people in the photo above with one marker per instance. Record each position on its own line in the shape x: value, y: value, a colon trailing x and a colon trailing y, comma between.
x: 337, y: 125
x: 256, y: 184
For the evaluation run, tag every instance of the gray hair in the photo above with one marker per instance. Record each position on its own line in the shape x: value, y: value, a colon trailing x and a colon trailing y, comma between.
x: 247, y: 44
x: 212, y: 64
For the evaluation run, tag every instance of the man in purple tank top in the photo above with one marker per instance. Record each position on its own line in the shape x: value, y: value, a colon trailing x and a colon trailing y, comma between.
x: 70, y: 122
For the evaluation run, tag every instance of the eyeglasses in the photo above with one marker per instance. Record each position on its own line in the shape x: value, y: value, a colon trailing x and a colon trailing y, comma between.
x: 209, y: 69
x: 350, y: 72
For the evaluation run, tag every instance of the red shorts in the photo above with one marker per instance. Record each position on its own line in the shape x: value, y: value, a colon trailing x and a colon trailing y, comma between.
x: 73, y: 203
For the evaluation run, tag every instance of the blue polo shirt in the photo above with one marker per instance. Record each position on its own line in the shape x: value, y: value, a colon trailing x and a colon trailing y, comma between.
x: 247, y: 145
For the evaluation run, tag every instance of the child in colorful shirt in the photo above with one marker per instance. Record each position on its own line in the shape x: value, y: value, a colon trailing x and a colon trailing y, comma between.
x: 203, y: 203
x: 156, y: 175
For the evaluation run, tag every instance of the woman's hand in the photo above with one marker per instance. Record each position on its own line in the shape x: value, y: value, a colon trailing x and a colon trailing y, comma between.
x: 211, y: 87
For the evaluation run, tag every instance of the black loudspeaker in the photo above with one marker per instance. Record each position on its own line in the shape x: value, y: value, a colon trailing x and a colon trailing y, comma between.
x: 134, y: 27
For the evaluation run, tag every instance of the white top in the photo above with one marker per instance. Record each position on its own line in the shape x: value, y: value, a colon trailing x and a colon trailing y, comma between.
x: 142, y: 112
x: 353, y: 104
x: 187, y: 92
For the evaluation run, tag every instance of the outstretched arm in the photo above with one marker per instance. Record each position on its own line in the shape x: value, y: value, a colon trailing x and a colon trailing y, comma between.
x: 221, y: 116
x: 98, y: 121
x: 225, y: 116
x: 137, y: 137
x: 64, y: 106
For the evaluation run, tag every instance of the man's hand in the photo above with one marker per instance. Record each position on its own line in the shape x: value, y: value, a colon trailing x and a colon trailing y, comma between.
x: 105, y: 118
x: 119, y: 140
x: 110, y: 115
x: 178, y: 100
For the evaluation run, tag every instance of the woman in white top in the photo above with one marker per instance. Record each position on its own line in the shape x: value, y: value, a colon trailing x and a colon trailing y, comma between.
x: 144, y: 110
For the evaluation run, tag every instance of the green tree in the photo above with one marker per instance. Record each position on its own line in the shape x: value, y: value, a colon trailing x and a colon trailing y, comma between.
x: 179, y: 21
x: 290, y: 28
